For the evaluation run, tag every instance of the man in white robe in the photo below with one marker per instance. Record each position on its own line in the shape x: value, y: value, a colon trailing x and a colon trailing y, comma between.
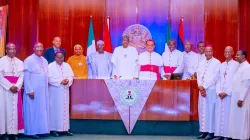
x: 190, y: 61
x: 125, y: 60
x: 239, y: 118
x: 201, y: 55
x: 207, y: 76
x: 150, y: 63
x: 99, y: 63
x: 11, y: 81
x: 224, y: 90
x: 36, y: 97
x: 60, y: 79
x: 172, y: 61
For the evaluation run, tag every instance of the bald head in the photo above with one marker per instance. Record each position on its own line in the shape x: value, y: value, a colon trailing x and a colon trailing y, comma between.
x: 228, y: 53
x: 57, y: 42
x: 188, y: 46
x: 209, y: 52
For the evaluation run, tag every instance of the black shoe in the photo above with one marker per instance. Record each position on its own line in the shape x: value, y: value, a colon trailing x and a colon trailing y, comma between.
x: 14, y: 137
x: 6, y: 137
x: 219, y: 138
x: 210, y: 136
x: 34, y: 136
x: 202, y: 136
x: 68, y: 133
x: 54, y: 133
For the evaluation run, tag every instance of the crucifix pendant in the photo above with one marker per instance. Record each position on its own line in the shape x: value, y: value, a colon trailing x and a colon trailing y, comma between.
x: 225, y: 73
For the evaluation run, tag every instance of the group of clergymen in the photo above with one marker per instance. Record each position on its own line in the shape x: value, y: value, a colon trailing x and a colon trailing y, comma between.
x: 223, y: 106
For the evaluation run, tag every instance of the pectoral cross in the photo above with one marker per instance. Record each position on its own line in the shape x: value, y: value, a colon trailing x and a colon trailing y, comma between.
x: 225, y: 73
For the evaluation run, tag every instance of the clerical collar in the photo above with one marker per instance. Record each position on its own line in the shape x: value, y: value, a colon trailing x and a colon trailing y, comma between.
x: 9, y: 57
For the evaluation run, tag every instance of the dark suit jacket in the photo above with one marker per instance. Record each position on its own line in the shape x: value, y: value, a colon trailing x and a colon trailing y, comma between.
x: 49, y: 54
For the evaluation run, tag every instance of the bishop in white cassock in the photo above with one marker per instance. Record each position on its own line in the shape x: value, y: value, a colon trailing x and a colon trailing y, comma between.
x: 60, y: 79
x: 11, y: 81
x: 207, y: 76
x: 172, y: 60
x: 190, y: 61
x: 125, y: 59
x: 239, y: 118
x: 224, y: 91
x: 36, y: 96
x: 150, y: 63
x: 99, y: 63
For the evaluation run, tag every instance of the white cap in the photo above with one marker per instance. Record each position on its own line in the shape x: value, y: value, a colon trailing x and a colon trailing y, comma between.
x: 99, y: 42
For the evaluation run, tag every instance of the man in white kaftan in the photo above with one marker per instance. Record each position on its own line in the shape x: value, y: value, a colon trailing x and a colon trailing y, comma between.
x: 150, y: 63
x: 239, y: 118
x: 125, y: 61
x: 11, y: 81
x: 190, y: 61
x: 60, y: 79
x: 172, y: 60
x: 207, y: 75
x: 224, y: 91
x: 99, y: 63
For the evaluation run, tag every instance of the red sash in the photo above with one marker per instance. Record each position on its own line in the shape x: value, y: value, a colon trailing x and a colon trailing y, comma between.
x: 13, y: 79
x: 168, y: 69
x: 151, y: 68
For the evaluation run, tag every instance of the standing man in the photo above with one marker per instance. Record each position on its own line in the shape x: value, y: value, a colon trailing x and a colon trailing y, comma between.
x: 60, y: 79
x: 190, y: 61
x: 224, y: 91
x: 172, y: 60
x: 35, y: 97
x: 125, y: 60
x: 207, y: 76
x: 49, y: 54
x: 240, y: 102
x: 201, y: 53
x: 11, y: 81
x: 150, y: 63
x: 99, y: 63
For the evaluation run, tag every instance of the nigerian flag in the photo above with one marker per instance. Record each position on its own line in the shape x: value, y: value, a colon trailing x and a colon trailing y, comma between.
x: 168, y: 36
x: 91, y: 39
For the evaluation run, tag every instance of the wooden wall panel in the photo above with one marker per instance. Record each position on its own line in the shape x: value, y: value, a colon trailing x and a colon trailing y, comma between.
x: 69, y: 19
x: 221, y: 25
x: 244, y: 33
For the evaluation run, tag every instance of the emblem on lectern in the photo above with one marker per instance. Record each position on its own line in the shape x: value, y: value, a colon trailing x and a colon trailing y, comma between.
x: 138, y: 35
x: 129, y: 95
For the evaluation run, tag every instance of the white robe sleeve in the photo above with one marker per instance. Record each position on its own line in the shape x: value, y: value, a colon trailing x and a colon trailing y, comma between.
x: 27, y: 82
x: 180, y: 66
x: 245, y: 82
x: 4, y: 82
x: 218, y: 87
x: 244, y: 90
x: 71, y: 75
x: 114, y: 60
x: 19, y: 82
x: 214, y: 77
x: 90, y: 69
